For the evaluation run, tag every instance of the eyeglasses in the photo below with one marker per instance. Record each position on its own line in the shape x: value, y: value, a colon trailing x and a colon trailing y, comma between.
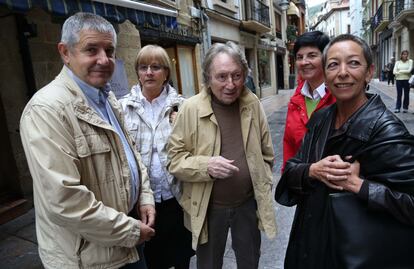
x: 153, y: 67
x: 223, y: 77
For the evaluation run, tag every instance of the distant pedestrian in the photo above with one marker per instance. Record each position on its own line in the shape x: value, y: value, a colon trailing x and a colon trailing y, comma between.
x: 402, y: 72
x: 390, y: 71
x: 249, y: 83
x: 384, y: 73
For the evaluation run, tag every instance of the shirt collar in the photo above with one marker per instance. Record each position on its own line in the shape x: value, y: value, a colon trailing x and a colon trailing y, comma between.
x: 317, y: 94
x: 96, y: 95
x: 160, y: 99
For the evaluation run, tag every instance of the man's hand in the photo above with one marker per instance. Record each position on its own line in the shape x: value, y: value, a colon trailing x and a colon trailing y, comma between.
x: 219, y: 167
x: 146, y: 232
x: 147, y: 214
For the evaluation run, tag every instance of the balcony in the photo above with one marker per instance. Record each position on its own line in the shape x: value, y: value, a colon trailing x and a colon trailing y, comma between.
x: 404, y: 12
x: 383, y: 17
x: 257, y: 17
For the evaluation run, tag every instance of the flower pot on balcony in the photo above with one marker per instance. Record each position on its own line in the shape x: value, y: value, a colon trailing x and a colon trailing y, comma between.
x: 290, y: 45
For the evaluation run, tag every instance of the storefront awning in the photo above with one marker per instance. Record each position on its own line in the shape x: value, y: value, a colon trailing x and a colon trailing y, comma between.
x: 140, y: 14
x: 293, y: 10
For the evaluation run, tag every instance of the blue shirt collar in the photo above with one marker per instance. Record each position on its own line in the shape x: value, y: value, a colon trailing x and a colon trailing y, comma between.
x: 96, y: 95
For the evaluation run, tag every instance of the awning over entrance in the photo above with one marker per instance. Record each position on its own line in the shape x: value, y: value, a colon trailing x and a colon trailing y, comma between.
x: 123, y: 10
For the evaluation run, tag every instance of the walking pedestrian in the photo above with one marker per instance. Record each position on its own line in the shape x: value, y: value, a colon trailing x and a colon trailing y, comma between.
x: 402, y: 72
x: 390, y: 71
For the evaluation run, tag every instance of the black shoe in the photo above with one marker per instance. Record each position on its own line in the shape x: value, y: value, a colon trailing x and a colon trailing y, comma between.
x: 397, y: 111
x: 405, y: 110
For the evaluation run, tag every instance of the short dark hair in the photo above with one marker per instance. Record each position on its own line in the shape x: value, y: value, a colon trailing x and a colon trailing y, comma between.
x: 366, y: 50
x: 311, y: 39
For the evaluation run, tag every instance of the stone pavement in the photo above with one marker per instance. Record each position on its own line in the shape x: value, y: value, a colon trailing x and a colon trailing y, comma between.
x: 18, y: 248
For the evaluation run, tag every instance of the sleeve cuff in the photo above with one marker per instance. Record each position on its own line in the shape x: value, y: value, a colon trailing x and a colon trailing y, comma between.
x: 364, y: 191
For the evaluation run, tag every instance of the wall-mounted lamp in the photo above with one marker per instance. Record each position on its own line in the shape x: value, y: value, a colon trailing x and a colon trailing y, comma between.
x: 284, y: 4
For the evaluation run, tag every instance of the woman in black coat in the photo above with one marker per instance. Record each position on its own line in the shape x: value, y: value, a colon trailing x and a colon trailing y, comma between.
x: 356, y: 147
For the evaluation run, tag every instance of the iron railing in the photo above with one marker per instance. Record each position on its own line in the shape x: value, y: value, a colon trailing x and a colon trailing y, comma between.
x: 401, y: 5
x: 259, y: 12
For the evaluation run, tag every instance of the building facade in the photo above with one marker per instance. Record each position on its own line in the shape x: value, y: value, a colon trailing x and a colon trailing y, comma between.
x: 389, y: 29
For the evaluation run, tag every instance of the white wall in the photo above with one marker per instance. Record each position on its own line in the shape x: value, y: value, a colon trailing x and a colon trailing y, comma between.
x: 355, y: 9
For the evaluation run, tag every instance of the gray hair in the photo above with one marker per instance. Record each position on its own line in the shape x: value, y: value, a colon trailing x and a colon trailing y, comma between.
x: 84, y: 21
x: 231, y: 49
x: 366, y: 50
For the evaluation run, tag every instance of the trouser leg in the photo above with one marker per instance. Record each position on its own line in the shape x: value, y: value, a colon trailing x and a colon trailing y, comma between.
x: 210, y: 255
x: 399, y: 94
x: 406, y: 89
x: 245, y: 235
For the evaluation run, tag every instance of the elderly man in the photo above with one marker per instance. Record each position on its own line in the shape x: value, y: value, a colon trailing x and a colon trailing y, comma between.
x: 221, y: 150
x: 87, y: 178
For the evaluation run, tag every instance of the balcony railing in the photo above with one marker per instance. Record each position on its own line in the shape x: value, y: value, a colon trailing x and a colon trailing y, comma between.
x: 259, y: 12
x: 383, y: 16
x: 401, y: 5
x: 377, y: 19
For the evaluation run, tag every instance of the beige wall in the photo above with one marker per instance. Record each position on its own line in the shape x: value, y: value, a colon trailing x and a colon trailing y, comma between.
x: 129, y: 43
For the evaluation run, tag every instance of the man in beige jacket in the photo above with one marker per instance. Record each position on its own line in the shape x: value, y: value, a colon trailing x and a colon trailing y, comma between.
x: 221, y: 150
x: 88, y: 181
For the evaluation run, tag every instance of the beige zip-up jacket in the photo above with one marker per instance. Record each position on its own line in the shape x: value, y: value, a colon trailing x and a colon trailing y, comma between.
x: 81, y: 180
x: 196, y: 138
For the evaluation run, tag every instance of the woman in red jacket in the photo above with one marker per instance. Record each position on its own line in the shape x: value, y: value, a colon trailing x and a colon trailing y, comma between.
x: 311, y: 93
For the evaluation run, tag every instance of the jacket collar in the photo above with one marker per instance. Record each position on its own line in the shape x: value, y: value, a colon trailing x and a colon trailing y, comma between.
x: 134, y: 101
x: 80, y: 105
x: 361, y: 127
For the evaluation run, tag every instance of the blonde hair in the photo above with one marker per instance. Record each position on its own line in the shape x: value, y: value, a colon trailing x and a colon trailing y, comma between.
x: 151, y: 53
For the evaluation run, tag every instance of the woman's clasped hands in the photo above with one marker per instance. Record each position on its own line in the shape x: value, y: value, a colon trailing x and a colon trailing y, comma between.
x: 337, y: 173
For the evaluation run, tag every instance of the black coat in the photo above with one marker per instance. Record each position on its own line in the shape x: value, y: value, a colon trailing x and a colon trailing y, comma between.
x: 385, y: 150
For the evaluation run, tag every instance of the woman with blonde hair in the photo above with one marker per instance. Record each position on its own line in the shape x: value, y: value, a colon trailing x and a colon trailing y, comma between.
x: 149, y: 112
x: 402, y: 72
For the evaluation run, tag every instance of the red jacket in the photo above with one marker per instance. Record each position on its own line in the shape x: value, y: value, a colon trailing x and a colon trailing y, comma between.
x: 296, y: 120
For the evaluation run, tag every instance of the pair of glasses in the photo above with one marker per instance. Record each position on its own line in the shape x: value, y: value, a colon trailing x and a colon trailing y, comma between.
x: 223, y: 77
x: 153, y: 67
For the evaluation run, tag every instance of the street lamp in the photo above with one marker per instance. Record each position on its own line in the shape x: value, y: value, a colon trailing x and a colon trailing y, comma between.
x: 284, y: 4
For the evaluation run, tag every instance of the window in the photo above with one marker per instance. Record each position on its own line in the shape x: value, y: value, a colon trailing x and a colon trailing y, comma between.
x: 264, y: 68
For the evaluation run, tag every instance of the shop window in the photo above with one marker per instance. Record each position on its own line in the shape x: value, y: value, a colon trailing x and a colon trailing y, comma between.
x: 187, y: 71
x: 264, y: 68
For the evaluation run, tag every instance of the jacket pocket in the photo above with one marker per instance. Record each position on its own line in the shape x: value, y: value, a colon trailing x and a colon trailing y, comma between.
x: 90, y: 144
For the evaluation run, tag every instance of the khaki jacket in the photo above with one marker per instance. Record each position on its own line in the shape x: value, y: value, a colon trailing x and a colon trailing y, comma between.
x: 196, y: 138
x: 81, y: 180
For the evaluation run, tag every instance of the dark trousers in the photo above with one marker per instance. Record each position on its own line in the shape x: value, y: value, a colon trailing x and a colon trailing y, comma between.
x: 171, y: 245
x: 141, y: 264
x: 403, y: 86
x: 391, y: 77
x: 245, y: 236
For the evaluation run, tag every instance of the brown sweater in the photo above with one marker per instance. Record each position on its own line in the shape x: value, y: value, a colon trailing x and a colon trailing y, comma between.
x: 235, y: 190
